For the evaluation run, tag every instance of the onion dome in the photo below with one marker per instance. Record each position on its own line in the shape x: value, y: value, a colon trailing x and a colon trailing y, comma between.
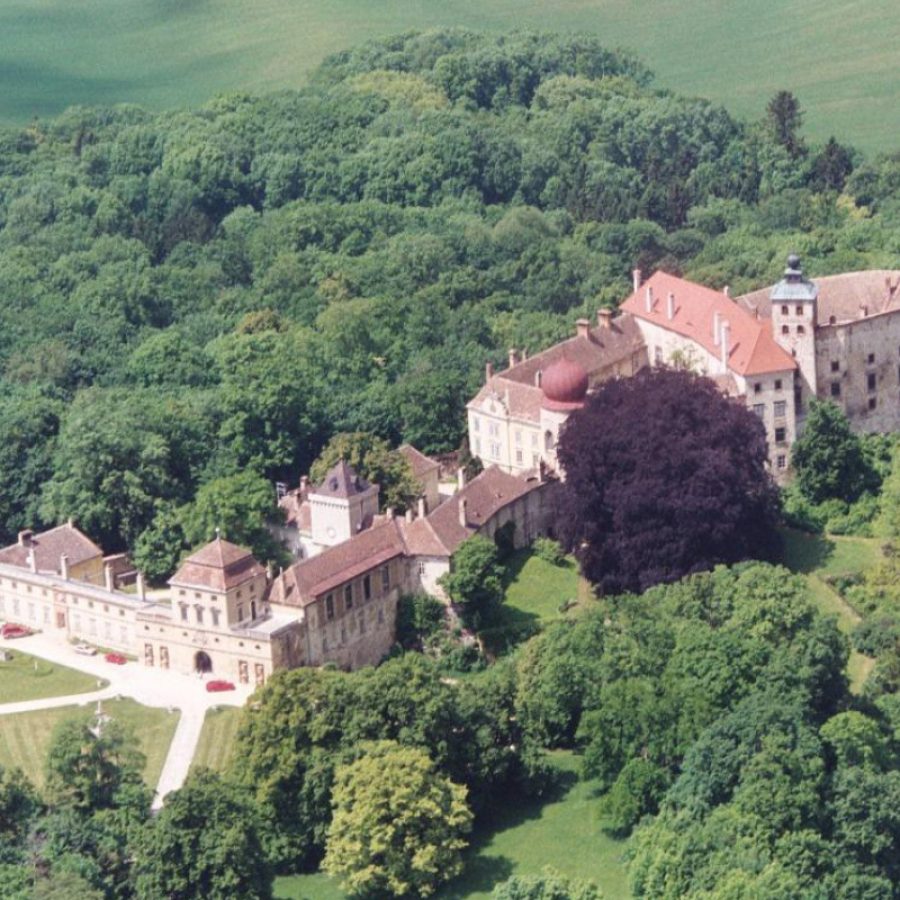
x: 565, y: 385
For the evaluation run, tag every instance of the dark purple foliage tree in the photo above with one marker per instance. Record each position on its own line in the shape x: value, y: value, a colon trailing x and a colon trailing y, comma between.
x: 664, y: 476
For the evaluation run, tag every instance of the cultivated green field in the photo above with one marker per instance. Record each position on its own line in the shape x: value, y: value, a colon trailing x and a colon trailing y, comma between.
x: 839, y: 56
x: 564, y: 833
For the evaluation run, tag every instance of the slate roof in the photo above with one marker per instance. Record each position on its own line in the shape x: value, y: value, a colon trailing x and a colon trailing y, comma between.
x: 219, y: 566
x: 840, y: 296
x: 752, y: 349
x: 49, y: 546
x: 342, y: 481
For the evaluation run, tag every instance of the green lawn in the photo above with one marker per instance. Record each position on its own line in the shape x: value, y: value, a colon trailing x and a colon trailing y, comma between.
x: 26, y: 677
x: 839, y: 57
x: 217, y: 738
x: 25, y: 737
x: 818, y: 556
x: 535, y: 593
x: 563, y: 832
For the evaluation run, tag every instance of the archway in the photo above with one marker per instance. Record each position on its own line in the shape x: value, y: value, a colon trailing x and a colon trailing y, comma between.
x: 202, y: 662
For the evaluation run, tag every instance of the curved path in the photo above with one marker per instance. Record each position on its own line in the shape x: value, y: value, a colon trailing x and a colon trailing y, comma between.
x: 149, y: 687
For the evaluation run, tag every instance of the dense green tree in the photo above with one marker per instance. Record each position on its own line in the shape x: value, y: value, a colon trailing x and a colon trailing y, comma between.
x: 784, y: 118
x: 399, y: 826
x: 204, y: 843
x: 475, y: 579
x: 828, y: 457
x: 547, y: 886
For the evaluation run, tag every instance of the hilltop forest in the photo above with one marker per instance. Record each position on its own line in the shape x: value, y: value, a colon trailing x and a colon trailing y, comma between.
x: 193, y: 303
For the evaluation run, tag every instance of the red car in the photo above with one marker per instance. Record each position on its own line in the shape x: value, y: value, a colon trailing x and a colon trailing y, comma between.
x: 11, y: 630
x: 215, y: 686
x: 116, y: 659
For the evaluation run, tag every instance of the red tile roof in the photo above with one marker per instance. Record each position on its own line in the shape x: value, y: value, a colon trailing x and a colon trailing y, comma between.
x: 296, y: 510
x: 49, y: 546
x: 418, y: 461
x: 219, y: 566
x: 841, y: 295
x: 752, y: 349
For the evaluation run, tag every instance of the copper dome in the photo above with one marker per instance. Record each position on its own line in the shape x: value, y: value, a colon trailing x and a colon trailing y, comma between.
x: 564, y: 384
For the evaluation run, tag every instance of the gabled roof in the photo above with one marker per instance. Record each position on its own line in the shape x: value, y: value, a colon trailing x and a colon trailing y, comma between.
x: 296, y: 510
x: 841, y: 296
x: 752, y: 349
x: 342, y: 481
x: 418, y: 461
x: 49, y: 546
x: 485, y: 496
x: 307, y: 579
x: 218, y: 566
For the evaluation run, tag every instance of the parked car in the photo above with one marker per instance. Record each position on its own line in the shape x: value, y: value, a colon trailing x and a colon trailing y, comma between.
x: 11, y: 630
x: 85, y: 649
x: 216, y: 686
x: 116, y: 659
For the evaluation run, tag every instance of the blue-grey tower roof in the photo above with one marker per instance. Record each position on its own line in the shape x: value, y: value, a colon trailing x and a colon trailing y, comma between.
x: 793, y: 287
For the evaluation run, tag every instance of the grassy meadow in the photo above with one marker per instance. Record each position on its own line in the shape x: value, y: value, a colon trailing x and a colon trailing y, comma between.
x: 563, y: 832
x: 25, y: 737
x: 838, y: 57
x: 25, y: 677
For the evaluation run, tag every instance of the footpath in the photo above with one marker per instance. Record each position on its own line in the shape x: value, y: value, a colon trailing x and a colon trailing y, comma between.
x: 149, y: 687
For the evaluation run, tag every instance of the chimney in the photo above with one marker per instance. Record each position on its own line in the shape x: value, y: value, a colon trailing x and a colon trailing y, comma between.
x: 70, y: 522
x: 460, y: 478
x: 141, y: 587
x: 648, y: 299
x: 727, y: 291
x: 463, y: 512
x: 725, y: 329
x: 524, y: 354
x: 32, y: 560
x: 488, y: 371
x: 670, y: 306
x: 716, y: 327
x: 304, y: 485
x: 513, y: 357
x: 604, y: 318
x: 64, y: 566
x: 409, y: 515
x: 583, y: 328
x: 108, y: 577
x: 421, y: 509
x: 636, y: 279
x: 537, y: 378
x: 389, y: 512
x: 26, y: 537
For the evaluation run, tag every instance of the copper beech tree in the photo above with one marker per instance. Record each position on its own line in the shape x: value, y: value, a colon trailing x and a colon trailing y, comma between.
x: 665, y: 476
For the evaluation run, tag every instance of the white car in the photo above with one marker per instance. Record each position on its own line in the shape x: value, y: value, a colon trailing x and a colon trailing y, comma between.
x: 85, y: 649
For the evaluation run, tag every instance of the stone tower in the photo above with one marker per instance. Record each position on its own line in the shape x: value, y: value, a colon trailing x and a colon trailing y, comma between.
x: 341, y: 506
x: 794, y: 327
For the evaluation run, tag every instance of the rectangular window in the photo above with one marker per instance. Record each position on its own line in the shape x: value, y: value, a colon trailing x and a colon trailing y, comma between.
x: 184, y: 612
x: 518, y: 437
x: 835, y: 389
x: 478, y: 446
x: 535, y: 459
x: 780, y: 409
x: 760, y: 409
x: 494, y: 429
x: 784, y: 310
x: 657, y: 356
x: 871, y: 359
x: 495, y: 450
x: 781, y: 461
x: 385, y: 579
x: 871, y: 381
x: 835, y: 366
x: 348, y: 597
x: 780, y: 435
x: 476, y: 423
x: 534, y: 439
x: 519, y: 457
x: 329, y: 606
x: 421, y: 568
x: 199, y: 611
x: 757, y: 387
x: 240, y: 613
x: 872, y: 403
x: 777, y: 384
x: 367, y: 587
x: 215, y: 617
x: 798, y: 309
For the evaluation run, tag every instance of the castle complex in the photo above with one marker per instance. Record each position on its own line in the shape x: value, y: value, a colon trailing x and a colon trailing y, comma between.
x: 836, y: 337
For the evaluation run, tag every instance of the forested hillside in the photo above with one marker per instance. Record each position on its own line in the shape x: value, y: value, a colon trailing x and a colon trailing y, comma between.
x: 189, y: 296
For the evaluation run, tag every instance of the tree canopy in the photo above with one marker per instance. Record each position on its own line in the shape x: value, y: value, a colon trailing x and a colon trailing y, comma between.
x: 664, y: 476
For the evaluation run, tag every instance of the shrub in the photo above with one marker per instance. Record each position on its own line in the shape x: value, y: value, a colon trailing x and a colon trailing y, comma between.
x: 549, y: 551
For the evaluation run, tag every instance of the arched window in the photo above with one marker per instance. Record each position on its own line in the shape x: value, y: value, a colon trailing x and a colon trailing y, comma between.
x: 785, y: 329
x: 548, y: 441
x: 801, y: 329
